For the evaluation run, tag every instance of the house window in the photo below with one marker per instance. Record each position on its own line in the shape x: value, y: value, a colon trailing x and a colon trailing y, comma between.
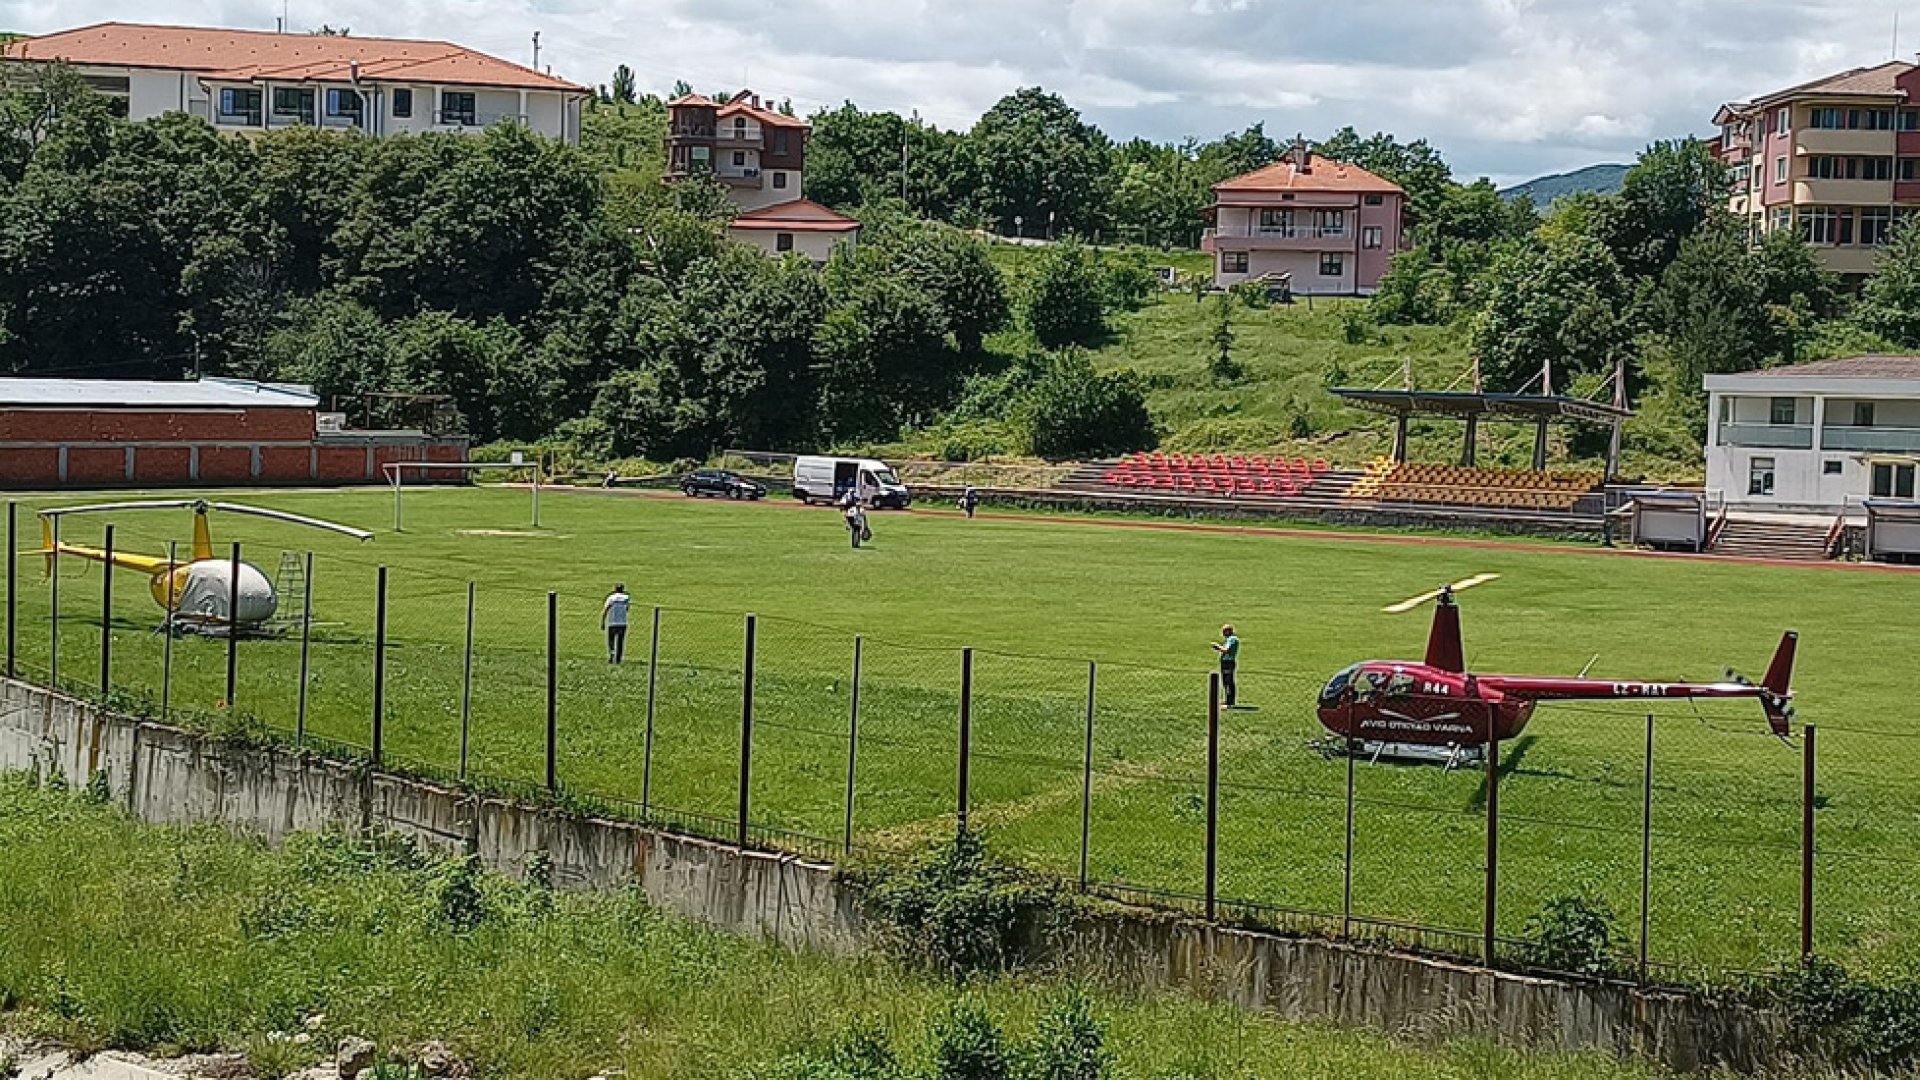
x: 1372, y: 236
x: 740, y: 158
x: 702, y: 158
x: 1863, y: 414
x: 344, y: 103
x: 1909, y: 168
x: 780, y: 179
x: 1760, y: 476
x: 1832, y: 468
x: 1876, y: 225
x: 1891, y: 481
x: 780, y: 142
x: 457, y: 107
x: 1233, y: 262
x: 1276, y: 221
x: 1819, y: 225
x: 783, y: 241
x: 1332, y: 264
x: 1331, y: 222
x: 1782, y: 120
x: 1827, y: 118
x: 1376, y: 200
x: 739, y: 127
x: 292, y: 105
x: 1779, y: 170
x: 1780, y: 217
x: 403, y: 103
x: 1783, y: 411
x: 1910, y: 119
x: 240, y: 107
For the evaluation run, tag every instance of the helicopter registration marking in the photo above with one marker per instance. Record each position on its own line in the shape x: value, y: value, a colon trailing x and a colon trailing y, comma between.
x: 1435, y: 688
x: 1625, y: 689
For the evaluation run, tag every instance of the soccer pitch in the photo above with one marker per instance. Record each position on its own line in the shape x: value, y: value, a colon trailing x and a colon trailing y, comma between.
x: 1038, y: 600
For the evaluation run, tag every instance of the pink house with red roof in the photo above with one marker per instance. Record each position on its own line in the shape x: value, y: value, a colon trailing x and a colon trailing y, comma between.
x: 248, y: 81
x: 1330, y: 227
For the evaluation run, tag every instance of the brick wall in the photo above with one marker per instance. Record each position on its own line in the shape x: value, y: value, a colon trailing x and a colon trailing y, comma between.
x: 131, y: 425
x: 160, y: 464
x: 96, y: 465
x: 226, y: 464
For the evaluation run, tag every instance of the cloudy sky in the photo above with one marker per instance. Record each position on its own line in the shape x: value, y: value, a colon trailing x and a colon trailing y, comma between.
x: 1508, y: 88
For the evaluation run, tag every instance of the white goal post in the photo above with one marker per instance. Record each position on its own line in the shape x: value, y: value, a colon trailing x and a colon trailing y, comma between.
x: 395, y: 470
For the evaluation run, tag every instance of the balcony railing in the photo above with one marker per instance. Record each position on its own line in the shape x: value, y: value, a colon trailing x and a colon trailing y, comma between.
x: 1893, y: 439
x: 239, y: 119
x: 462, y: 118
x: 1768, y: 436
x: 1284, y: 232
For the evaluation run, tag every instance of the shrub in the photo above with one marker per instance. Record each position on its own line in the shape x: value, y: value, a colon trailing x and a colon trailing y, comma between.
x: 1572, y: 934
x: 1834, y: 1012
x: 1066, y: 302
x: 968, y: 1045
x: 1075, y: 412
x: 954, y: 910
x: 1069, y: 1043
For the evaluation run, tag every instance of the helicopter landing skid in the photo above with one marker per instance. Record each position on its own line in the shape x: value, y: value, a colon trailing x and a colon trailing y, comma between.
x: 1450, y: 757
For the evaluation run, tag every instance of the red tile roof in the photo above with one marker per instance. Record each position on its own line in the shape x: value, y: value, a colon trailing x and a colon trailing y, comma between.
x: 1882, y: 80
x: 798, y: 215
x: 1322, y: 174
x: 1852, y: 367
x: 248, y: 55
x: 742, y: 104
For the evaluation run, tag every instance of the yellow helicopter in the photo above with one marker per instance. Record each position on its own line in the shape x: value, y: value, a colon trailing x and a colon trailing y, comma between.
x: 196, y: 593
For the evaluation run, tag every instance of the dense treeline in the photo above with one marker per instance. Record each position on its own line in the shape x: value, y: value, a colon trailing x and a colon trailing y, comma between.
x: 548, y: 290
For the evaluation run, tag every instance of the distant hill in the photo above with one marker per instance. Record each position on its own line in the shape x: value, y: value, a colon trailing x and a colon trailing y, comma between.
x: 1599, y: 179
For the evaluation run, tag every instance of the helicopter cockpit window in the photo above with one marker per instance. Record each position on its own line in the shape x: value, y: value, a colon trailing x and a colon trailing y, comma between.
x: 1337, y: 686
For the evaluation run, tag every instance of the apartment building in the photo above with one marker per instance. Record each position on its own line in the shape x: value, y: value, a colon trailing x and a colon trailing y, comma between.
x: 1836, y: 159
x: 759, y: 155
x: 247, y: 81
x: 1333, y: 228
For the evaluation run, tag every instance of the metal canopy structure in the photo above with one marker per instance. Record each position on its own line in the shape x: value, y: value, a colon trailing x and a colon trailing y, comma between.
x: 1537, y: 409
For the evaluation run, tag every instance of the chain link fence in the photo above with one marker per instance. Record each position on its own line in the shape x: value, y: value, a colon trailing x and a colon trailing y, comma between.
x: 1711, y: 844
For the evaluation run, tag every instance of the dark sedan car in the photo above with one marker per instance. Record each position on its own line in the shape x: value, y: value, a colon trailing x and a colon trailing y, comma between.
x: 721, y: 483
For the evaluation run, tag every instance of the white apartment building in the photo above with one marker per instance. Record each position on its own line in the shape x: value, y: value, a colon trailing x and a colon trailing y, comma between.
x: 1821, y: 436
x: 248, y: 81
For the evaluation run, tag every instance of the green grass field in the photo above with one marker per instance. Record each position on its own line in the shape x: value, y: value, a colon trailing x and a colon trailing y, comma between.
x: 1039, y: 599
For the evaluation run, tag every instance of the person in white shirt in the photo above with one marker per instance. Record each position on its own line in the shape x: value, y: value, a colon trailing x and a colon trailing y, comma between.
x: 613, y: 619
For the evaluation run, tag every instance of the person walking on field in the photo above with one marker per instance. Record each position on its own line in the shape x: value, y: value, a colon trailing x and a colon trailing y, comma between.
x: 857, y: 527
x: 1229, y: 649
x: 613, y: 619
x: 969, y: 500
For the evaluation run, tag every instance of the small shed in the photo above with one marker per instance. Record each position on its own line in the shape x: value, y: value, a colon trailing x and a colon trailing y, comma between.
x: 1893, y: 530
x: 1670, y: 520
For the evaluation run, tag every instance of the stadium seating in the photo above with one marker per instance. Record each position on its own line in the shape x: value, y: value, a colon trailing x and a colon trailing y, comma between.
x: 1215, y: 475
x: 1458, y: 485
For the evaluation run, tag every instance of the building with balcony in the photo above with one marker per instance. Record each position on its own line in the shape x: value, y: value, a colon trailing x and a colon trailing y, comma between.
x: 1815, y: 437
x: 1836, y: 159
x: 248, y: 81
x: 1331, y: 227
x: 758, y: 153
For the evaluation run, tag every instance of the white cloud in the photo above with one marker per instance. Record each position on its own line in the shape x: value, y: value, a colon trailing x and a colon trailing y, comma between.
x: 1507, y: 87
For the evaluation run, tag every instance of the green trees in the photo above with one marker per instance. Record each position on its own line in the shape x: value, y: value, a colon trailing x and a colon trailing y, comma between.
x: 1562, y: 301
x: 1041, y: 163
x: 1078, y: 412
x: 1065, y: 299
x: 1890, y: 300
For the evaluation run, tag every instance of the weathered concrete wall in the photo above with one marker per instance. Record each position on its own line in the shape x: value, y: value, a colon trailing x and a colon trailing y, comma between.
x: 164, y: 774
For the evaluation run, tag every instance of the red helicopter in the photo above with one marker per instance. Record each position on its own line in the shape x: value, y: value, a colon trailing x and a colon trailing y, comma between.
x: 1435, y: 710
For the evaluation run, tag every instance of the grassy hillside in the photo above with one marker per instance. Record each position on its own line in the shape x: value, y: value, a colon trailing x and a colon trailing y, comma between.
x: 126, y: 936
x: 1598, y: 179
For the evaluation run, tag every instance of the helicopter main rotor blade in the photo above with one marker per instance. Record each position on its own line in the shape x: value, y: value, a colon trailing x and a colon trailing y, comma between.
x: 97, y: 508
x: 294, y: 519
x: 1415, y: 601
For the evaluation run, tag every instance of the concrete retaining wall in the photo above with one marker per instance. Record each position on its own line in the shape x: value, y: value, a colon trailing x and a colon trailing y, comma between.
x: 164, y: 774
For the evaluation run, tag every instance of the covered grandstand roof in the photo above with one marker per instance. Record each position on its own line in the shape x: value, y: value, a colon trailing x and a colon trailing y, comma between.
x: 1463, y: 404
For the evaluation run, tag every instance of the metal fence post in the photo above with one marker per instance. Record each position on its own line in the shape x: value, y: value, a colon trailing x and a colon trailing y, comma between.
x: 380, y: 668
x: 166, y: 654
x: 646, y: 754
x: 233, y: 627
x: 306, y: 653
x: 853, y: 743
x: 1646, y: 852
x: 13, y: 569
x: 106, y: 616
x: 53, y: 572
x: 1493, y: 839
x: 1086, y: 781
x: 966, y: 731
x: 1346, y: 883
x: 746, y: 732
x: 1213, y: 789
x: 1806, y: 845
x: 553, y: 692
x: 466, y: 686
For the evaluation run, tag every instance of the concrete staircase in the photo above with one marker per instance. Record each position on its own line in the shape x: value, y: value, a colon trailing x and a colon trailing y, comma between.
x: 1774, y: 537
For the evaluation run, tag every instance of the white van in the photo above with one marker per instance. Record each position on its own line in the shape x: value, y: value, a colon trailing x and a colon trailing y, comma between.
x: 828, y: 479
